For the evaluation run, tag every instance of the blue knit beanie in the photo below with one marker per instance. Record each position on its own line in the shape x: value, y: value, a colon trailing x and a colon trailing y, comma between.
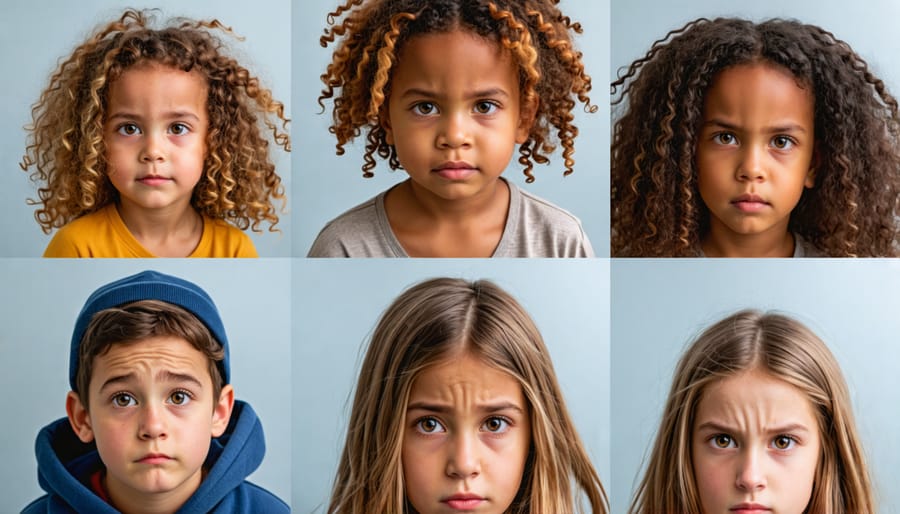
x: 151, y: 285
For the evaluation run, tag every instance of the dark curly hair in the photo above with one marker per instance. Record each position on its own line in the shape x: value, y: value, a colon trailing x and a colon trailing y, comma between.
x: 66, y: 146
x: 373, y: 32
x: 656, y: 207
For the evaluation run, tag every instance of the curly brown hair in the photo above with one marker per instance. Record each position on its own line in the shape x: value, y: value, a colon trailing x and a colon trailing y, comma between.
x: 373, y: 32
x: 656, y: 207
x: 66, y: 147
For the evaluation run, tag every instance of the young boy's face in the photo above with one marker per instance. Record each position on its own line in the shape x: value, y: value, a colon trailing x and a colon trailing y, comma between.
x: 152, y: 414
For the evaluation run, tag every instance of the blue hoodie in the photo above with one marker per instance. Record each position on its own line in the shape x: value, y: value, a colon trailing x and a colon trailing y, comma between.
x: 65, y: 466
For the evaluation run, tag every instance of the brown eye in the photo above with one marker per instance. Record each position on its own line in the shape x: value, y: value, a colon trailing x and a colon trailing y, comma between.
x: 424, y: 108
x: 179, y: 129
x: 485, y: 107
x: 129, y: 129
x: 782, y: 142
x: 123, y: 400
x: 783, y: 442
x: 179, y: 398
x: 723, y: 441
x: 496, y: 424
x: 429, y: 426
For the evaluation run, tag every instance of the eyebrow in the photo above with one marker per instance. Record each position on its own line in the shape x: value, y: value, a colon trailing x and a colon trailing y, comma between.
x: 790, y: 127
x: 781, y: 429
x: 482, y: 93
x: 168, y: 115
x: 162, y: 376
x: 487, y: 407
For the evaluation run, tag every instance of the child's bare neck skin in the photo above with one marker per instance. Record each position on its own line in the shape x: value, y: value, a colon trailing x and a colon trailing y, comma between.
x: 167, y: 232
x: 427, y: 226
x: 159, y: 503
x: 776, y: 244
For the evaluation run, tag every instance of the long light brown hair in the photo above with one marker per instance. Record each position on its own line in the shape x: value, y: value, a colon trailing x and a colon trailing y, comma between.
x: 429, y: 323
x: 789, y: 351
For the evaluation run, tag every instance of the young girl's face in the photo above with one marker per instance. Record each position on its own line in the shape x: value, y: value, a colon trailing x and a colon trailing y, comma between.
x: 755, y: 446
x: 454, y: 113
x: 155, y: 136
x: 755, y: 149
x: 466, y: 438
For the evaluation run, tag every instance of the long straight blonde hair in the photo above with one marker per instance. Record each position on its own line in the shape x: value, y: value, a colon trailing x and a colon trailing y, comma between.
x: 787, y: 350
x: 430, y: 323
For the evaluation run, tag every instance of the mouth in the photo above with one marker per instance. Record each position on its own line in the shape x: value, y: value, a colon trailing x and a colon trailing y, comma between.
x: 463, y: 501
x: 153, y: 180
x: 750, y: 203
x: 455, y: 170
x: 154, y: 459
x: 749, y: 508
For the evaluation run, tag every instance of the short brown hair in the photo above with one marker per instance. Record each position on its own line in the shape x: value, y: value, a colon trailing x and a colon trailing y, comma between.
x: 136, y: 321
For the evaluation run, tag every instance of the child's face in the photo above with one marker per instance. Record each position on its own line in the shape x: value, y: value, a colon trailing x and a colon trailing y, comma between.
x: 755, y: 446
x: 155, y: 136
x: 152, y: 414
x: 454, y: 113
x: 466, y: 438
x: 754, y: 150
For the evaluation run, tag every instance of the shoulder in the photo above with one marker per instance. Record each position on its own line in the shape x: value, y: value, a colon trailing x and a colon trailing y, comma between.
x: 38, y: 506
x: 249, y: 498
x: 86, y: 236
x: 362, y: 231
x: 222, y: 239
x: 542, y: 229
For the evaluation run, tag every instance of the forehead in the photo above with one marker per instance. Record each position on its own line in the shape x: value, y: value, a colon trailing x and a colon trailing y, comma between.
x: 755, y: 396
x: 761, y: 89
x: 457, y: 53
x: 145, y: 357
x: 145, y: 78
x: 466, y: 374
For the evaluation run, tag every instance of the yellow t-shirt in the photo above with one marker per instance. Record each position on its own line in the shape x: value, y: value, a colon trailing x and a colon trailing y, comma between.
x: 104, y: 234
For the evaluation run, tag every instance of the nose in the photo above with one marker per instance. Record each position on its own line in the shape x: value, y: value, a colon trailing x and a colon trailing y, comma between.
x: 152, y: 422
x: 454, y: 132
x: 750, y: 474
x: 752, y: 166
x: 463, y: 460
x: 152, y: 150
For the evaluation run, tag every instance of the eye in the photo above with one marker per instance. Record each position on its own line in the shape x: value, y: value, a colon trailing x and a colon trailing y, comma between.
x: 128, y: 129
x: 123, y: 400
x: 179, y: 129
x: 722, y: 441
x: 180, y: 398
x: 725, y: 138
x: 425, y: 108
x: 496, y: 425
x: 486, y: 107
x: 429, y: 425
x: 783, y: 442
x: 782, y: 142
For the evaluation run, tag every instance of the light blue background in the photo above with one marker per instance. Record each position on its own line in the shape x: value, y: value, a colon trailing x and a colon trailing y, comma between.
x: 328, y: 185
x: 35, y: 35
x: 869, y: 27
x: 42, y: 299
x: 659, y: 306
x: 339, y: 302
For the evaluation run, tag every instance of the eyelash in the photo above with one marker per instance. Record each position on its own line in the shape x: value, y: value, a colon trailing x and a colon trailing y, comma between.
x: 789, y: 142
x: 188, y: 398
x: 183, y: 129
x: 506, y: 424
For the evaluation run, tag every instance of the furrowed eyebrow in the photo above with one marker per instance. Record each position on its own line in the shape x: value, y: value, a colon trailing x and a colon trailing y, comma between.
x: 780, y: 429
x: 487, y: 408
x: 790, y: 127
x: 171, y: 376
x: 483, y: 93
x: 118, y: 379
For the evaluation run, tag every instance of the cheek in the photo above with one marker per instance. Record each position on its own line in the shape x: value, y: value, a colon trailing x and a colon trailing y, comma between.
x: 712, y: 479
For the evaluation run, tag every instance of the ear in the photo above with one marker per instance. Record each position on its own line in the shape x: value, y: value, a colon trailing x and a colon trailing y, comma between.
x: 79, y: 417
x: 810, y: 180
x: 527, y: 112
x: 222, y: 411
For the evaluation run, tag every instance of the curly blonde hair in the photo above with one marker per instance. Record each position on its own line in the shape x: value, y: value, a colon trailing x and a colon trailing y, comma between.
x: 537, y: 35
x: 66, y: 147
x: 657, y: 211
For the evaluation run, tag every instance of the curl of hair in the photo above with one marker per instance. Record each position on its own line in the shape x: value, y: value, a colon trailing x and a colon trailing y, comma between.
x: 536, y: 34
x: 787, y: 350
x: 66, y: 147
x: 656, y: 206
x: 433, y: 322
x: 137, y: 321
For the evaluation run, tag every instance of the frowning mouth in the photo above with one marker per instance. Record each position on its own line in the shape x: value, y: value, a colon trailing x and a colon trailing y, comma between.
x: 464, y: 501
x: 455, y: 170
x: 154, y: 458
x: 750, y: 203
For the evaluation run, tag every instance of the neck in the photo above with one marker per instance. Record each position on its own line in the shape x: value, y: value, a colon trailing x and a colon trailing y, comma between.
x: 172, y: 231
x: 773, y: 243
x: 454, y: 211
x: 130, y: 501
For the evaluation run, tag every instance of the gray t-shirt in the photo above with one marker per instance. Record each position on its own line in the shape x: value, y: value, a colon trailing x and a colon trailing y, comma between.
x: 534, y: 228
x: 802, y: 248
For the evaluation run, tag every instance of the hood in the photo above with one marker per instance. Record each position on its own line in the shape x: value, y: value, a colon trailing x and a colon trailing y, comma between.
x: 65, y: 465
